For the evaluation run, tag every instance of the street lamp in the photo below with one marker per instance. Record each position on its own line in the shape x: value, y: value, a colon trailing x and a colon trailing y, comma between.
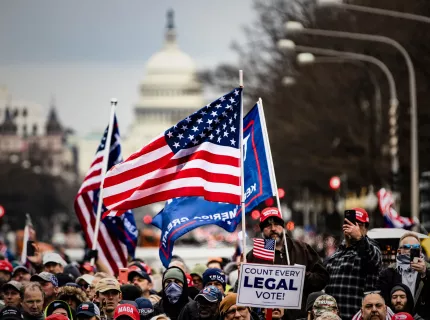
x: 289, y: 81
x: 377, y: 11
x: 294, y: 26
x: 308, y: 58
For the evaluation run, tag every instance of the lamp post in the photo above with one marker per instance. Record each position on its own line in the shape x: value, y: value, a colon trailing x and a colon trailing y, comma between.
x: 294, y: 26
x: 308, y: 58
x: 377, y: 11
x: 289, y: 81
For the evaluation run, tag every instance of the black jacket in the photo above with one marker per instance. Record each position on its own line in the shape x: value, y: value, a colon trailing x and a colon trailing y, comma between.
x: 189, y: 312
x: 316, y: 277
x: 389, y: 277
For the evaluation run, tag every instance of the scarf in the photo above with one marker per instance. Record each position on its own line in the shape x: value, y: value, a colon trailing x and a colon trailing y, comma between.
x: 409, y: 276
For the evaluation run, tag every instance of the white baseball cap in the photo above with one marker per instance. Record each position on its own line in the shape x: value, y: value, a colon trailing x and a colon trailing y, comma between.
x: 53, y: 257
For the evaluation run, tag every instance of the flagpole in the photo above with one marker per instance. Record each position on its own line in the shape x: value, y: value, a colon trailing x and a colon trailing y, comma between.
x: 105, y: 163
x: 272, y: 170
x: 242, y: 174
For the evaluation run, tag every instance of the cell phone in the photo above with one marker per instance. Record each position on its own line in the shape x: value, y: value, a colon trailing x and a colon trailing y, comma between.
x: 30, y: 248
x: 414, y: 254
x: 123, y: 275
x: 350, y: 215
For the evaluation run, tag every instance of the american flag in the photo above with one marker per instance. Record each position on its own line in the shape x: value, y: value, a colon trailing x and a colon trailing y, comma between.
x: 264, y: 249
x: 199, y: 156
x: 391, y: 217
x: 118, y: 235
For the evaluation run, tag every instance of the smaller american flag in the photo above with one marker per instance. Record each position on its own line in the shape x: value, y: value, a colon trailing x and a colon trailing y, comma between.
x: 264, y: 249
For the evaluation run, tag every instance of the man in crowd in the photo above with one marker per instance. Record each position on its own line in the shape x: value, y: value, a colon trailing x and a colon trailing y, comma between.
x: 145, y: 308
x: 49, y: 284
x: 53, y: 263
x: 215, y: 277
x: 415, y: 274
x: 214, y: 263
x: 324, y: 303
x: 373, y: 307
x: 11, y: 294
x: 174, y: 296
x: 204, y: 306
x: 108, y: 293
x: 277, y: 313
x: 141, y: 279
x: 402, y: 300
x: 21, y: 274
x: 5, y: 271
x: 316, y: 278
x: 197, y: 275
x: 88, y: 311
x: 91, y: 292
x: 32, y: 296
x: 355, y: 265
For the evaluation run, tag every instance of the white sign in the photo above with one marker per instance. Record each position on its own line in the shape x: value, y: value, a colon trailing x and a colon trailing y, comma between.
x: 271, y: 286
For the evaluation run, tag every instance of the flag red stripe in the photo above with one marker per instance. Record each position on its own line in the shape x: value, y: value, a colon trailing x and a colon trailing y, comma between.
x: 185, y: 192
x: 152, y: 146
x: 95, y: 173
x: 188, y: 173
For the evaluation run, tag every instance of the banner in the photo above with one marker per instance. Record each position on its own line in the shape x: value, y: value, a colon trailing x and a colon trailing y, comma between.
x: 182, y: 215
x: 271, y: 286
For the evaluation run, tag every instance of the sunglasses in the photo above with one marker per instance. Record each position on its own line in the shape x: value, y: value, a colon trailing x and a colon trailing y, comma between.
x: 410, y: 246
x: 372, y: 292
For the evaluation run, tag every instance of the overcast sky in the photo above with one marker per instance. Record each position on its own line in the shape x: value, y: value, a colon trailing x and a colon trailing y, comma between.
x: 86, y: 52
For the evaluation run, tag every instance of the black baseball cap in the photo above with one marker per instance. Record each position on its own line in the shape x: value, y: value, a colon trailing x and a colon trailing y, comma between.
x: 88, y: 309
x: 11, y: 313
x: 139, y: 273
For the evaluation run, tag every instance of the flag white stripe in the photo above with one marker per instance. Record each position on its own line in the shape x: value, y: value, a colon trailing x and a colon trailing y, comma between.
x: 193, y: 164
x: 211, y: 148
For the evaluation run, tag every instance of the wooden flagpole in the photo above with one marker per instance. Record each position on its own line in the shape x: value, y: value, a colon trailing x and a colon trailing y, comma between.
x: 272, y: 169
x: 242, y: 174
x: 105, y: 163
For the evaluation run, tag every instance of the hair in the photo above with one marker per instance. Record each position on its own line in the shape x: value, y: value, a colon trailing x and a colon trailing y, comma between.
x: 31, y: 286
x: 408, y: 235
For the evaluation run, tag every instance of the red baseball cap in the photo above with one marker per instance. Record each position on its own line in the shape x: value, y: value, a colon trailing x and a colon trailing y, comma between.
x: 361, y: 215
x: 189, y: 280
x: 56, y: 316
x: 126, y: 310
x: 402, y: 316
x: 270, y: 212
x: 6, y: 266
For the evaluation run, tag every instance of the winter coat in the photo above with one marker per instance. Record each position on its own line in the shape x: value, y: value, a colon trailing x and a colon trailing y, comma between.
x: 189, y: 312
x: 389, y: 277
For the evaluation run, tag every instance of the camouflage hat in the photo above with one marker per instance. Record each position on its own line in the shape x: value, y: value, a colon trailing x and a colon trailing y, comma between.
x: 323, y: 304
x: 328, y: 316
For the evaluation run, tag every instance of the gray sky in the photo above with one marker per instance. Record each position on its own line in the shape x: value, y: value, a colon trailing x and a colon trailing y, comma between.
x: 86, y: 52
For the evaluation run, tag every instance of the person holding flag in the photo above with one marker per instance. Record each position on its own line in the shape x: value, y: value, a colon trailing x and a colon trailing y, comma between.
x: 272, y: 228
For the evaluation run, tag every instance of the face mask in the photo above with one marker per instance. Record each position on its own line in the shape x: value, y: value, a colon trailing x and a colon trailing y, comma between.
x: 173, y: 292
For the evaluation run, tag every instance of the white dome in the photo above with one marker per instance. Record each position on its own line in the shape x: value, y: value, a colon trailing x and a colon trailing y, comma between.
x: 170, y: 60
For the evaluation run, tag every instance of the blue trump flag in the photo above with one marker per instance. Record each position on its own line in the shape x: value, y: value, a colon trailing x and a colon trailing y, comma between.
x: 181, y: 215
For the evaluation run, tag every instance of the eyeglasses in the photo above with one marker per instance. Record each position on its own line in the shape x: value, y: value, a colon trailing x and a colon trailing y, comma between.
x: 410, y: 246
x: 238, y: 309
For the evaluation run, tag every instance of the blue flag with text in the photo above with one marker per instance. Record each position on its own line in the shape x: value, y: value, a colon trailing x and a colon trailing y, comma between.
x: 181, y: 215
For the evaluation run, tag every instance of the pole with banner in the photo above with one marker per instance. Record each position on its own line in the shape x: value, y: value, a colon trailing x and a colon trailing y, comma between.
x: 242, y: 171
x: 272, y: 169
x: 106, y: 151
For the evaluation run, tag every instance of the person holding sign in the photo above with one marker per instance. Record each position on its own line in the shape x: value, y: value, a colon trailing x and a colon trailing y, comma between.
x: 316, y: 277
x: 355, y: 265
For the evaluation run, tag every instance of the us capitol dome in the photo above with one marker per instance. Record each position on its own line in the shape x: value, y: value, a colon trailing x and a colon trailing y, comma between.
x: 169, y: 92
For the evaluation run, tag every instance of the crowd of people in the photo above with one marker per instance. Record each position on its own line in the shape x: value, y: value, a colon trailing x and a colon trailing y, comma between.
x: 350, y: 284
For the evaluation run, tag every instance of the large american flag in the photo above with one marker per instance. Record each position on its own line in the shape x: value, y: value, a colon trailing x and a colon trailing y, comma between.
x: 264, y: 249
x: 118, y: 235
x: 391, y: 217
x: 199, y: 156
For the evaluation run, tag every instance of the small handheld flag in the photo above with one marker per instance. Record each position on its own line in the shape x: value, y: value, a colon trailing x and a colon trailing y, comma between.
x: 264, y: 249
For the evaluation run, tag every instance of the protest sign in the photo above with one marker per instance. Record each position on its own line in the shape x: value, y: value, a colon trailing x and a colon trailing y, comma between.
x: 271, y: 286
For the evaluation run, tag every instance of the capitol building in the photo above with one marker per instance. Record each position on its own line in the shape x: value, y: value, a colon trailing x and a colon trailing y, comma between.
x: 168, y: 93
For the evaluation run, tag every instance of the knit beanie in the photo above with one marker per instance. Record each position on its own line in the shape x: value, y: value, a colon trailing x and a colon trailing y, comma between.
x: 214, y: 274
x: 397, y: 288
x: 227, y: 302
x: 174, y: 273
